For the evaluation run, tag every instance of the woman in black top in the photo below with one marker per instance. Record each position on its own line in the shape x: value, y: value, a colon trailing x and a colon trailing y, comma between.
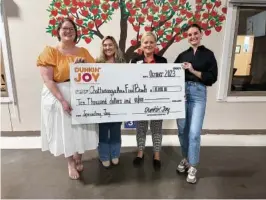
x: 200, y: 71
x: 148, y: 44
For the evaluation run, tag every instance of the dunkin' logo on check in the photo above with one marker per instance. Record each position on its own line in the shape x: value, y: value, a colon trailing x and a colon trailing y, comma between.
x: 87, y: 74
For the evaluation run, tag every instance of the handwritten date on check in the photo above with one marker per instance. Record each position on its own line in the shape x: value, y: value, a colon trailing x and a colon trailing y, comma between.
x: 126, y: 92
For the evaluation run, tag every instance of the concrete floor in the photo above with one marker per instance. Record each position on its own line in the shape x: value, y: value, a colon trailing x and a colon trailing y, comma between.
x: 225, y: 172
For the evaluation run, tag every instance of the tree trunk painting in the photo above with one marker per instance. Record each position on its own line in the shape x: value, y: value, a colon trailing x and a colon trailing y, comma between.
x: 166, y: 18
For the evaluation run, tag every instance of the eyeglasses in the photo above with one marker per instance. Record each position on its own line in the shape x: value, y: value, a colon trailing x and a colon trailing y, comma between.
x: 68, y: 29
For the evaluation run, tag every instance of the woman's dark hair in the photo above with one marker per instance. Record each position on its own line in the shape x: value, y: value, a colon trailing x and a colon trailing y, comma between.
x: 60, y: 26
x: 195, y: 26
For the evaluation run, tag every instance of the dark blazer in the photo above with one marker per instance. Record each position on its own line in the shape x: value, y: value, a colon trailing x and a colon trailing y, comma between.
x: 204, y: 61
x: 158, y: 59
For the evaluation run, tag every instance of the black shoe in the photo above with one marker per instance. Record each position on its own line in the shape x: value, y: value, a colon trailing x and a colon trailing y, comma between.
x: 138, y: 161
x: 156, y: 164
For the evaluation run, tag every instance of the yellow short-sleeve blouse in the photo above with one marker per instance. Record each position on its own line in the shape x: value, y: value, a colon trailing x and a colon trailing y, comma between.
x: 52, y: 57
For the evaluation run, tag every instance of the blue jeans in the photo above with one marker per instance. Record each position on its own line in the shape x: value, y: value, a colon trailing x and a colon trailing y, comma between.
x: 109, y: 140
x: 189, y: 129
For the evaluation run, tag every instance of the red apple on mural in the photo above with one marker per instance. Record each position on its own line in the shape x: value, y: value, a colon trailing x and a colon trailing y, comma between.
x: 104, y: 16
x: 178, y: 20
x: 224, y: 10
x: 64, y: 12
x: 85, y: 13
x: 73, y: 10
x: 184, y: 34
x: 212, y: 22
x: 131, y: 19
x: 204, y: 26
x: 144, y: 11
x: 160, y: 32
x: 98, y: 22
x: 198, y: 8
x: 91, y: 25
x: 105, y: 7
x: 54, y: 32
x: 129, y: 5
x: 67, y: 2
x: 168, y: 37
x: 150, y: 4
x: 162, y: 18
x: 155, y: 23
x: 177, y: 38
x: 81, y: 4
x: 79, y: 21
x: 155, y: 9
x: 54, y: 12
x: 218, y: 4
x: 221, y: 18
x: 88, y: 4
x: 141, y: 20
x: 218, y: 28
x: 150, y: 18
x: 214, y: 13
x: 190, y: 22
x: 182, y: 2
x: 97, y: 2
x: 132, y: 12
x: 183, y: 12
x: 197, y: 16
x: 59, y: 18
x: 85, y: 31
x: 176, y: 29
x: 165, y: 8
x: 136, y: 28
x: 52, y: 22
x: 74, y: 3
x: 115, y: 5
x: 209, y: 6
x: 95, y: 11
x: 134, y: 42
x: 207, y: 32
x: 205, y: 15
x: 87, y: 40
x: 138, y: 3
x: 147, y: 28
x: 175, y: 8
x: 167, y: 24
x: 57, y: 4
x: 189, y: 14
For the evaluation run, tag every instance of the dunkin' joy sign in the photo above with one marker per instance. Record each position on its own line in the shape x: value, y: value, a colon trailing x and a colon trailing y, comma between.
x: 86, y: 74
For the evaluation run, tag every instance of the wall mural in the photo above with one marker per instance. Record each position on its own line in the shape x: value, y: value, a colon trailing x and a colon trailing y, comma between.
x: 166, y: 18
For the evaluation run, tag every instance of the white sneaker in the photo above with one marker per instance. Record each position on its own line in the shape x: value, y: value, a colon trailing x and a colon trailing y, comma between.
x: 106, y: 163
x: 183, y: 166
x: 191, y: 177
x: 115, y: 161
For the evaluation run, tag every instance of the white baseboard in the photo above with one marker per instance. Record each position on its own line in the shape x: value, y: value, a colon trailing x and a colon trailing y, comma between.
x: 130, y: 141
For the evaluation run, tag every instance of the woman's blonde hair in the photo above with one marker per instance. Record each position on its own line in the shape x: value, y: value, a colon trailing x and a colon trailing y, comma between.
x: 119, y: 58
x: 146, y: 34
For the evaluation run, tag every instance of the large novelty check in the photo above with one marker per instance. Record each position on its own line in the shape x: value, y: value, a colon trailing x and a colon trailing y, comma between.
x: 126, y: 92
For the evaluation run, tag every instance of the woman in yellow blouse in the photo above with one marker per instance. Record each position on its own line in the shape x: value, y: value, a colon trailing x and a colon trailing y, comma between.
x: 59, y: 136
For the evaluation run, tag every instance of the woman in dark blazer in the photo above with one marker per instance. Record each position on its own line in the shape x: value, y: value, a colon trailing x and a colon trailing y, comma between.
x: 200, y: 71
x: 148, y: 45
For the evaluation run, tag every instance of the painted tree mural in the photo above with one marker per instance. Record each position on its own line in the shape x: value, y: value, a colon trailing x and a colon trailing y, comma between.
x: 167, y: 19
